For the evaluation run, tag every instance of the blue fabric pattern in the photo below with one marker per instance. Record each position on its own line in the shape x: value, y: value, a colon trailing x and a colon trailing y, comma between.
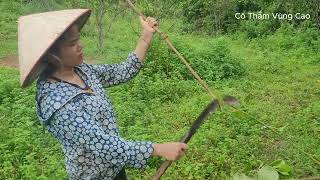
x: 84, y: 122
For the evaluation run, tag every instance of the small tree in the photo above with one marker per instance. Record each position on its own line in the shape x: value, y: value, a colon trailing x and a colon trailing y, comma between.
x: 100, y: 8
x: 316, y: 12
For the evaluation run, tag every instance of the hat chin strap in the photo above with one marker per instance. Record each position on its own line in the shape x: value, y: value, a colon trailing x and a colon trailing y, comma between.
x: 58, y: 60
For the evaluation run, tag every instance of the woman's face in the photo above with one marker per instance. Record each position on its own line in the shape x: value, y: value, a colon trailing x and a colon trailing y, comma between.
x: 71, y: 49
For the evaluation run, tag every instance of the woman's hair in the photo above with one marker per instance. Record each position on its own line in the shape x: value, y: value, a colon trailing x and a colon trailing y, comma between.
x: 52, y: 62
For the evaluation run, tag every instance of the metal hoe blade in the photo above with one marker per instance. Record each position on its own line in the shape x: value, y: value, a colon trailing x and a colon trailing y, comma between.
x: 210, y: 109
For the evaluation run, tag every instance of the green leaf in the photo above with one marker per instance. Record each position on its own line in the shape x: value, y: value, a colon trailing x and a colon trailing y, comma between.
x: 268, y: 173
x: 241, y: 177
x: 238, y: 114
x: 282, y: 167
x: 281, y: 129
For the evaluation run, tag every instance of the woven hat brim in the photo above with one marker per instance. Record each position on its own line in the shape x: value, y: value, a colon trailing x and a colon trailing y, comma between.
x: 39, y: 66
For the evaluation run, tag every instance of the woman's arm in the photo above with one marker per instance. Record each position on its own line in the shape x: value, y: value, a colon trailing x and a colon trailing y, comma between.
x: 146, y: 37
x: 114, y: 74
x: 73, y: 125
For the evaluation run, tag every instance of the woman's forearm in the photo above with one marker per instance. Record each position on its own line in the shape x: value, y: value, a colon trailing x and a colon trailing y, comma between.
x: 143, y: 45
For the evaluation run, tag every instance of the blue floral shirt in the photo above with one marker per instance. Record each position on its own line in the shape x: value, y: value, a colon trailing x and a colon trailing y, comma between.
x: 84, y: 121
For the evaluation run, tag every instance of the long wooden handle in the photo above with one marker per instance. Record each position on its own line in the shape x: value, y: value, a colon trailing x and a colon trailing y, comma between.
x: 165, y: 37
x: 162, y: 169
x: 182, y: 59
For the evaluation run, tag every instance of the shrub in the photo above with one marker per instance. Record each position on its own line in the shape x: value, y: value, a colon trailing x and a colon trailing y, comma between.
x: 212, y: 60
x: 255, y: 29
x: 210, y: 17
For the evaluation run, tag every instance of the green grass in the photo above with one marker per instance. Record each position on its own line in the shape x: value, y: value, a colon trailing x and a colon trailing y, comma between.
x: 279, y: 89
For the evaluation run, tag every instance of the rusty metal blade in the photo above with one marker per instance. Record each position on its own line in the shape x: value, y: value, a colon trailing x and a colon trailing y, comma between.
x: 211, y: 108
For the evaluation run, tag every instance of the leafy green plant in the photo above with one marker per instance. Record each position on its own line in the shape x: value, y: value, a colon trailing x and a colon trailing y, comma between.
x: 268, y: 172
x: 277, y: 82
x: 212, y: 61
x: 282, y: 167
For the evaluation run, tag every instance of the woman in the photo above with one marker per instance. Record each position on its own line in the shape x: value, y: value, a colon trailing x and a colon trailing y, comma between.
x: 72, y: 101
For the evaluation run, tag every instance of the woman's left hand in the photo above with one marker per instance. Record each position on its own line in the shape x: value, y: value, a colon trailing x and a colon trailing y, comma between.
x: 148, y: 30
x: 148, y: 25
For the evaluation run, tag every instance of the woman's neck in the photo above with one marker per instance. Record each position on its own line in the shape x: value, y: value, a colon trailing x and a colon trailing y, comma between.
x: 64, y: 73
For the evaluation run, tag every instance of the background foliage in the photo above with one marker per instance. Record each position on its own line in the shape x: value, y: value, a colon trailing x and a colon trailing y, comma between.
x: 271, y: 66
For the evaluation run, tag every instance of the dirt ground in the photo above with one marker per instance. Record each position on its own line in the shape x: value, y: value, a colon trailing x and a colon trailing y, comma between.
x: 10, y: 61
x: 13, y: 61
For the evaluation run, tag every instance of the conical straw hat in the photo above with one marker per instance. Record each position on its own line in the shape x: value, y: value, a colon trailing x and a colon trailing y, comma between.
x: 37, y: 33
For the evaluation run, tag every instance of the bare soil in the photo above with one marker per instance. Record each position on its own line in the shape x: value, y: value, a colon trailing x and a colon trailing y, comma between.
x: 10, y: 61
x: 13, y: 61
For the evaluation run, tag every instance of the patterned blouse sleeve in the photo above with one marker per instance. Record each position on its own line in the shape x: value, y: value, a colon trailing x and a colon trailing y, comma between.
x: 74, y: 126
x: 114, y: 74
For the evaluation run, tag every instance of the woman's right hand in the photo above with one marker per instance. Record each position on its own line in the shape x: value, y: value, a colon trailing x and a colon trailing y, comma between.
x: 171, y: 151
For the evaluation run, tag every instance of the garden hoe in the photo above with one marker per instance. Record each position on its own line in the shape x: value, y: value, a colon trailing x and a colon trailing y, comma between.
x: 211, y: 108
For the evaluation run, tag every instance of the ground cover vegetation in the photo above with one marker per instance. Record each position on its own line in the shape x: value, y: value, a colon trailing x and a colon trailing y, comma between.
x: 271, y: 66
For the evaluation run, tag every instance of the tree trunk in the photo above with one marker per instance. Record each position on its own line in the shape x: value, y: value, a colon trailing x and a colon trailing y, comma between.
x: 316, y: 10
x: 100, y: 13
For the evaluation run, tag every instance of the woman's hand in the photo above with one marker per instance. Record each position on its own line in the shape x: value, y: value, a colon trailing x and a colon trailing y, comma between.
x: 170, y: 151
x: 146, y: 36
x: 148, y: 25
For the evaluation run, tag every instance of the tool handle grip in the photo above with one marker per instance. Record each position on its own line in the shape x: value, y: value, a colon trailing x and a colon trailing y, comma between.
x: 161, y: 170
